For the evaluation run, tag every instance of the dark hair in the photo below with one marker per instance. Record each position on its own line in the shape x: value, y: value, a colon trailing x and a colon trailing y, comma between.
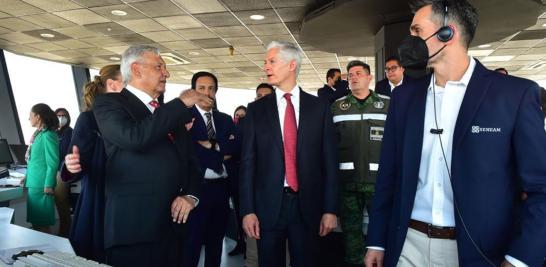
x: 203, y: 74
x: 501, y: 69
x: 395, y: 58
x: 239, y: 107
x: 67, y: 118
x: 331, y: 73
x: 461, y: 12
x: 265, y: 85
x: 47, y: 116
x: 98, y: 84
x: 356, y: 63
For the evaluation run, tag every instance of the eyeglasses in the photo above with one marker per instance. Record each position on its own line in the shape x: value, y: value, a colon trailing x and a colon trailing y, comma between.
x: 391, y: 69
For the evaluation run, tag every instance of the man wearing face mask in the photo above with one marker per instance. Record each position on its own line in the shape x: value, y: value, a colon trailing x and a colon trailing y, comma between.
x: 62, y: 190
x: 335, y: 87
x: 213, y: 134
x: 458, y: 147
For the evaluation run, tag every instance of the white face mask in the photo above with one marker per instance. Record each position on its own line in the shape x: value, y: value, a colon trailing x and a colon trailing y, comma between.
x: 62, y: 120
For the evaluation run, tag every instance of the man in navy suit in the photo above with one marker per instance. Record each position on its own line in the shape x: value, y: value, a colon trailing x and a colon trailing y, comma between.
x: 335, y: 87
x: 213, y: 135
x: 395, y: 77
x: 288, y: 186
x: 458, y: 147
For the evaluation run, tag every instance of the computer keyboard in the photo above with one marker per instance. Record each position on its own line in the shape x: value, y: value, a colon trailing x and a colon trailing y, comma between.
x: 55, y: 259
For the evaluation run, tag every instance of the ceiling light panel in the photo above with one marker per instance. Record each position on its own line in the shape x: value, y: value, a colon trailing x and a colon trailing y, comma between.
x: 106, y: 11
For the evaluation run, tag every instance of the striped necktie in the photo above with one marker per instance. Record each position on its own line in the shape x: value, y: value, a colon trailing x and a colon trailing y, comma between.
x: 210, y: 129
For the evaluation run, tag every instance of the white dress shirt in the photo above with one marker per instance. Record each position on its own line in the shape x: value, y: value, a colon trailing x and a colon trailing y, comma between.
x: 144, y: 97
x: 395, y: 85
x: 281, y: 106
x: 434, y: 197
x: 210, y: 174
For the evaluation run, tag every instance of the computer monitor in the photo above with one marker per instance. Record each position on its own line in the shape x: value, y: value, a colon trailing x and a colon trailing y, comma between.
x: 18, y: 152
x: 5, y: 153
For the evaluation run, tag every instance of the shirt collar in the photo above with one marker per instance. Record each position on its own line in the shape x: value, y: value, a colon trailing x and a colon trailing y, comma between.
x: 394, y: 85
x: 295, y: 93
x: 466, y: 76
x: 202, y: 111
x: 144, y: 97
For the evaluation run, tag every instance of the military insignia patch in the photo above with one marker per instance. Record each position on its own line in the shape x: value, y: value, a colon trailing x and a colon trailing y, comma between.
x: 378, y: 104
x: 376, y: 133
x: 344, y: 105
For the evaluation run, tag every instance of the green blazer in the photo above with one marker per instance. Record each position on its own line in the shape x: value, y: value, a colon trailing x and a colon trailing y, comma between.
x: 44, y: 160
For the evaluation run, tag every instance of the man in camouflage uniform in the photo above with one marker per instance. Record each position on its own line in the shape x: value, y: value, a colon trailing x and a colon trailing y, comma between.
x: 359, y: 119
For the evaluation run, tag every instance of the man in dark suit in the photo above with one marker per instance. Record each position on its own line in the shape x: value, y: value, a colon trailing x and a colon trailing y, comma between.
x: 152, y: 175
x: 288, y: 184
x: 213, y: 134
x: 335, y: 87
x: 457, y: 144
x: 395, y: 77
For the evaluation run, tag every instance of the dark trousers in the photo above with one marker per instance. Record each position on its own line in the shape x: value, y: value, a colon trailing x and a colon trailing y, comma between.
x: 163, y: 253
x: 207, y: 225
x: 302, y: 240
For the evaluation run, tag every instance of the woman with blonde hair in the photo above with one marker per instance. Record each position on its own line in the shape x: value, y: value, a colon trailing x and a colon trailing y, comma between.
x: 86, y: 234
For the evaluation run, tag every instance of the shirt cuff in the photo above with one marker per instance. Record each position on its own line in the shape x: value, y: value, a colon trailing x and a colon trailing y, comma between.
x: 514, y: 261
x: 194, y: 198
x: 376, y: 248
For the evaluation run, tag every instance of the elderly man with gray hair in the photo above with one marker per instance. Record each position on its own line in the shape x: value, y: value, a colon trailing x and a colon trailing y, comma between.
x: 288, y: 186
x: 152, y: 175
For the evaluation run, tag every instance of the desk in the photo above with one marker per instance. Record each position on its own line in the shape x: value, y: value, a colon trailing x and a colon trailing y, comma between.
x: 9, y: 193
x: 14, y: 236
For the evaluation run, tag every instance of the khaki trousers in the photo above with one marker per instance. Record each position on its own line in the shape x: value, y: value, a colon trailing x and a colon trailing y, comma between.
x: 62, y: 201
x: 251, y: 259
x: 420, y: 251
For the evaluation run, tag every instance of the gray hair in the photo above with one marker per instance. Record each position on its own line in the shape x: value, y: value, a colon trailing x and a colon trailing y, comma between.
x: 288, y: 52
x: 131, y: 55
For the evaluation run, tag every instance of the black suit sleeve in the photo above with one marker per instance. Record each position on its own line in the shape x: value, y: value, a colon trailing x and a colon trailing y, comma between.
x: 195, y: 173
x: 248, y: 164
x: 120, y: 128
x: 329, y: 153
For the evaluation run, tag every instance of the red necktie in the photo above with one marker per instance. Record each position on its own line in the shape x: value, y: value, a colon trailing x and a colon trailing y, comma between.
x: 290, y: 143
x: 156, y: 104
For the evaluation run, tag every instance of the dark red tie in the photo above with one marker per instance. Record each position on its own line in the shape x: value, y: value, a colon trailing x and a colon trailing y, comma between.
x: 290, y: 144
x: 156, y: 104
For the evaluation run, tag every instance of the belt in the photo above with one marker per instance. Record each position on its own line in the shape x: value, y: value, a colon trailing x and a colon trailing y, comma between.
x: 288, y: 190
x: 433, y: 231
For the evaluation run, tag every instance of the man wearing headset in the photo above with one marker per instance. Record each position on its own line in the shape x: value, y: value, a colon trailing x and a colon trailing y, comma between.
x: 457, y: 144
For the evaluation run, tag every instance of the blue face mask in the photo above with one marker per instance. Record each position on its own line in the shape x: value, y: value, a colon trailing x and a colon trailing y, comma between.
x: 413, y: 52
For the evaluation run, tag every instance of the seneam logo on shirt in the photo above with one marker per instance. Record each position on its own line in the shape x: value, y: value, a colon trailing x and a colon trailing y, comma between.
x: 477, y: 129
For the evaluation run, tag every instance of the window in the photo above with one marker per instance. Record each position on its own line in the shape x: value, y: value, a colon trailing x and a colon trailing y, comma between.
x: 228, y: 98
x: 40, y: 81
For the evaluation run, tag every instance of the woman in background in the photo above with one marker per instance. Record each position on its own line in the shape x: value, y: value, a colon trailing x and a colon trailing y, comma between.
x: 42, y: 168
x: 86, y: 234
x: 240, y: 112
x: 62, y: 190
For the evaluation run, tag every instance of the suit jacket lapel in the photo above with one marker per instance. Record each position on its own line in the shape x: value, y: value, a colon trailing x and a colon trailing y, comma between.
x: 272, y: 112
x: 474, y: 96
x: 303, y: 119
x: 413, y: 138
x: 135, y: 107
